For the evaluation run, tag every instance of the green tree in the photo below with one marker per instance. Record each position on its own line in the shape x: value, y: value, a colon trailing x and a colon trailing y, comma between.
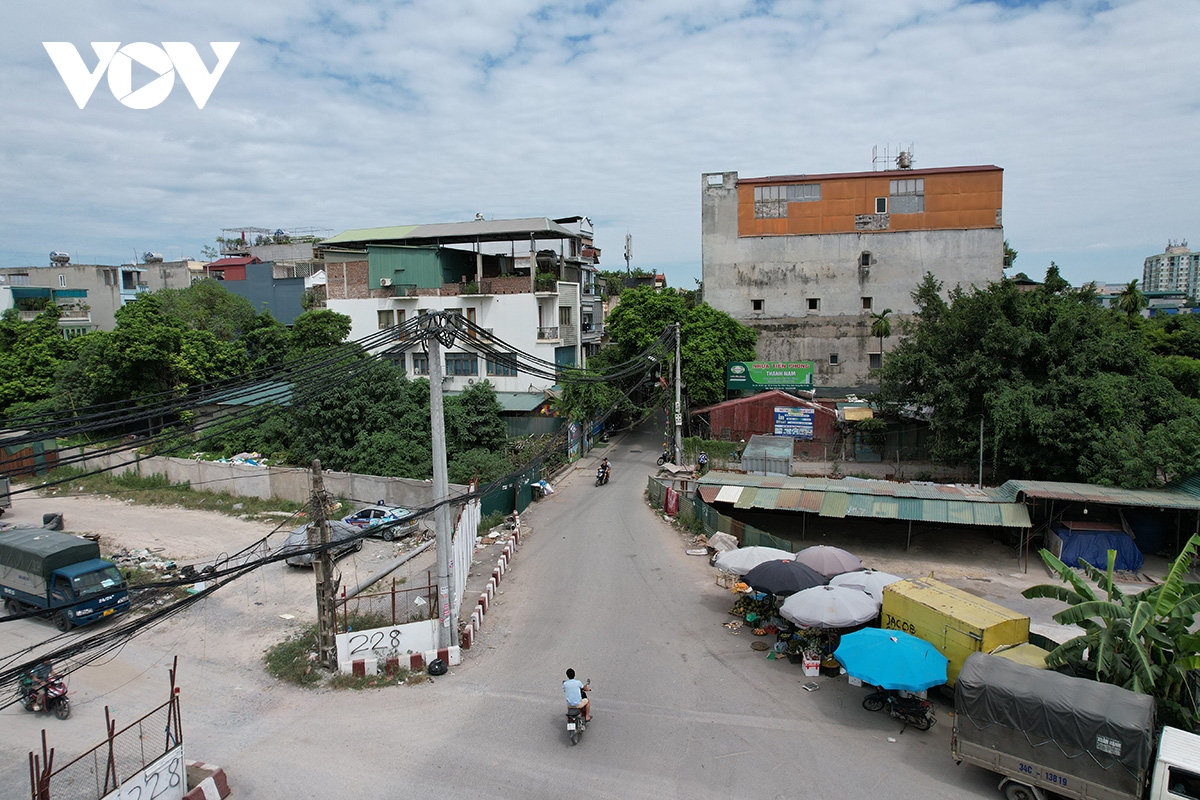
x: 473, y: 420
x: 881, y: 328
x: 30, y: 354
x: 208, y: 306
x: 710, y: 338
x: 1131, y: 301
x: 320, y: 328
x: 1057, y: 379
x: 1010, y: 255
x: 1143, y: 642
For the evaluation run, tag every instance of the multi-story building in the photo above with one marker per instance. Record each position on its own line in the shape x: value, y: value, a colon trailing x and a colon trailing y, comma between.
x: 259, y: 283
x: 1172, y: 271
x: 807, y: 260
x: 530, y: 283
x: 89, y: 294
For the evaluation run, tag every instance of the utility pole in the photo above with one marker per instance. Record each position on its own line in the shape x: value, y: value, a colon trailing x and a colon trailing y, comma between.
x: 447, y: 627
x: 678, y: 398
x: 318, y: 534
x: 981, y: 450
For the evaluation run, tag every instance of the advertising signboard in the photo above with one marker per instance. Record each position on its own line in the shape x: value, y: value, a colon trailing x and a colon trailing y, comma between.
x: 753, y: 376
x: 794, y: 422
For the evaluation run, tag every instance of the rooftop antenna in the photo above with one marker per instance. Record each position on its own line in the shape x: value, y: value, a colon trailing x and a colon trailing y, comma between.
x: 904, y: 158
x: 628, y: 252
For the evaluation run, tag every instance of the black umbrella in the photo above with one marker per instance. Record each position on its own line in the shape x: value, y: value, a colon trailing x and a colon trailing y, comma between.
x: 783, y: 577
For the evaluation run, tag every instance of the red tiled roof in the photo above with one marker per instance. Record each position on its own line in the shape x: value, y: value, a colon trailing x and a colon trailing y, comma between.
x: 234, y: 261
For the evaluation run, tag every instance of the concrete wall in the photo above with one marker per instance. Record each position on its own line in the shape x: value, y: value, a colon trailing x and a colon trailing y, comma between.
x: 785, y: 272
x: 285, y: 483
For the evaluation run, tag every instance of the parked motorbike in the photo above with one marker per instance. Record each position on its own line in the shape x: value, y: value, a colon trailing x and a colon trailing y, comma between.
x: 56, y: 697
x: 665, y: 457
x: 601, y: 476
x: 910, y: 710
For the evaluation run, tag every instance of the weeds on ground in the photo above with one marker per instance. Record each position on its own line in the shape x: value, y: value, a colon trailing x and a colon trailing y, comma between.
x: 157, y: 490
x: 294, y: 660
x: 492, y: 520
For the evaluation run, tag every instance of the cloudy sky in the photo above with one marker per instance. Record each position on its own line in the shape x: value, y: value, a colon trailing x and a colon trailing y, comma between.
x: 357, y: 114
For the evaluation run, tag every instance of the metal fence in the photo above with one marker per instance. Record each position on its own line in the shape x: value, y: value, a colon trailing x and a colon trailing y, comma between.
x: 399, y: 605
x: 121, y: 756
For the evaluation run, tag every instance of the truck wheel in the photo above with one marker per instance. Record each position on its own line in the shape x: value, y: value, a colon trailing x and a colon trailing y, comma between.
x: 1018, y: 791
x: 61, y: 622
x: 11, y: 608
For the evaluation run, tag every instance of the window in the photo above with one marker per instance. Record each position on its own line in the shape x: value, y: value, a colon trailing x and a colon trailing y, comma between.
x: 62, y: 281
x: 907, y: 195
x: 564, y: 315
x: 462, y: 364
x: 867, y: 303
x: 770, y: 202
x: 833, y: 359
x: 19, y: 279
x: 881, y: 205
x: 501, y: 367
x: 1182, y: 783
x: 420, y: 364
x: 814, y: 304
x: 864, y: 260
x: 385, y: 319
x: 804, y: 193
x: 756, y: 305
x: 109, y: 279
x: 875, y: 360
x: 400, y: 317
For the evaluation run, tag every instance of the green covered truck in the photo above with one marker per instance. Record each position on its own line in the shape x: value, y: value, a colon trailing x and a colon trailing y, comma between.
x: 60, y: 575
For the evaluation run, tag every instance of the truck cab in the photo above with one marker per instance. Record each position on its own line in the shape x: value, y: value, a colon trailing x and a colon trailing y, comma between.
x: 1177, y: 767
x: 97, y: 583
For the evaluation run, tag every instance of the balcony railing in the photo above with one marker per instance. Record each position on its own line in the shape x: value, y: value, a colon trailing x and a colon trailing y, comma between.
x: 65, y: 316
x: 547, y: 334
x: 475, y: 287
x: 404, y: 290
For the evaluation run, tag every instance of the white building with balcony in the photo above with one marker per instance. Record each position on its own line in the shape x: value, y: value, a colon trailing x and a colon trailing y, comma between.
x: 530, y: 283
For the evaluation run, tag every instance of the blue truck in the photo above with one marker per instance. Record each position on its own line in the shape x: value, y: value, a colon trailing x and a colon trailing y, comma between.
x: 61, y: 575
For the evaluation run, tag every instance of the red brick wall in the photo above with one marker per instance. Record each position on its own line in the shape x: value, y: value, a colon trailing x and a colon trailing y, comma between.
x: 348, y: 280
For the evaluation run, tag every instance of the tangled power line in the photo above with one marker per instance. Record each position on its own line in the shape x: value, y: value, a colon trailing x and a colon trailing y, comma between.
x: 173, y: 421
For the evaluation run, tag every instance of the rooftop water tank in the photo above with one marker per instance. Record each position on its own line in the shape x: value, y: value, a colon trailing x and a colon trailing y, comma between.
x: 152, y: 258
x: 59, y: 257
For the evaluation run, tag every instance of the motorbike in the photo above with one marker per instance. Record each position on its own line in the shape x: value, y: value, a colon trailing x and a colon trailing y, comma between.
x: 56, y: 697
x: 665, y: 457
x: 575, y: 721
x: 910, y: 710
x: 575, y: 724
x: 601, y: 476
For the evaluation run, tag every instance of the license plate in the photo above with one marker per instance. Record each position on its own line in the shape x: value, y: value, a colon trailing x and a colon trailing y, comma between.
x: 570, y: 726
x: 108, y: 611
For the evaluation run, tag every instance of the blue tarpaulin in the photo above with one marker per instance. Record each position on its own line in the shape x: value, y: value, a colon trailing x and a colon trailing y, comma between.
x: 1093, y: 547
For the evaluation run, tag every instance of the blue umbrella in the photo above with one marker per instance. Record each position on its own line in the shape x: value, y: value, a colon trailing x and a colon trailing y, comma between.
x: 891, y: 659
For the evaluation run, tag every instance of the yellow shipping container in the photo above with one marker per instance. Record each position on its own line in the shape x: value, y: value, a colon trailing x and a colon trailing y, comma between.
x: 957, y: 623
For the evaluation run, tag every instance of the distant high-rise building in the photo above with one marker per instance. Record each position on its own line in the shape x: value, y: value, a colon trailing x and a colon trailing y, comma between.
x: 1175, y: 270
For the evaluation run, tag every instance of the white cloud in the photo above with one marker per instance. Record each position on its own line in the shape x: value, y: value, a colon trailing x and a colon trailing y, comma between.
x: 357, y: 114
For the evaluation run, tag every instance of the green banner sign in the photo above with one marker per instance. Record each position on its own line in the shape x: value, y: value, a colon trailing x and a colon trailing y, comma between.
x: 752, y: 376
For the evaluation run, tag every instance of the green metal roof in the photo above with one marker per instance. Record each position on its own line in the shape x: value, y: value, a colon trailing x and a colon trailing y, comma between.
x: 920, y: 502
x: 1183, y: 495
x: 371, y: 234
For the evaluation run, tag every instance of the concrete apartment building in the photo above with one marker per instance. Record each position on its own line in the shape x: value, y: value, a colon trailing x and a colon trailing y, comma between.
x: 807, y: 259
x: 1173, y: 270
x: 88, y: 295
x: 530, y: 283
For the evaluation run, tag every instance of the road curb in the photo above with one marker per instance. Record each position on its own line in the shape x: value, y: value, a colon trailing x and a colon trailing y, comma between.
x: 213, y: 786
x: 470, y: 628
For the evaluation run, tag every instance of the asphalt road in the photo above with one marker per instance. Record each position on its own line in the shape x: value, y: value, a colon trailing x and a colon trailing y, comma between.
x: 683, y: 708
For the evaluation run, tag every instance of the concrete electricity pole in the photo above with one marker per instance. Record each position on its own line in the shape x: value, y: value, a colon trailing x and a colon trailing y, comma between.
x: 318, y: 534
x: 439, y: 325
x: 678, y: 399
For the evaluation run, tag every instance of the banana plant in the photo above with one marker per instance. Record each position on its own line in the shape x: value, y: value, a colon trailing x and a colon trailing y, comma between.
x: 1144, y: 642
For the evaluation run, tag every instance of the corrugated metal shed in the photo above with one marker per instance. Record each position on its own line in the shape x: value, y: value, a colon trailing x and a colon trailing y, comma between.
x: 1185, y: 495
x: 852, y: 497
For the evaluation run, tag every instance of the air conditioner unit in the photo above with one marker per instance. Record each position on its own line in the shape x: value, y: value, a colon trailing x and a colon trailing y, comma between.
x: 385, y: 281
x: 470, y: 381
